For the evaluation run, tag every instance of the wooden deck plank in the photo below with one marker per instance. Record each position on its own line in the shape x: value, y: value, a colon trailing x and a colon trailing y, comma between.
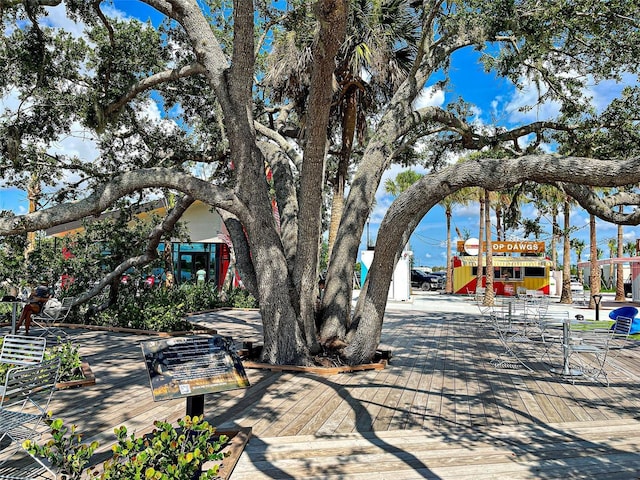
x: 480, y: 459
x: 439, y: 410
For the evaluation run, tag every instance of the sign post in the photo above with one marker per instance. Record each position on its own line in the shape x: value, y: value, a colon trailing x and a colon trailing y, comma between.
x: 191, y: 367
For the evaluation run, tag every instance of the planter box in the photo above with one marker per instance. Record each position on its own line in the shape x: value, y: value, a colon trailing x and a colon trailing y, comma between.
x: 89, y: 379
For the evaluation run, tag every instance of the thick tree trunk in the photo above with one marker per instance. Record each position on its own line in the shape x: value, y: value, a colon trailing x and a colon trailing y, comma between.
x: 34, y: 191
x: 332, y: 16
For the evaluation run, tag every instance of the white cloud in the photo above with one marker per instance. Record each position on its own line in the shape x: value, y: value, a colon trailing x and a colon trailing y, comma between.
x: 599, y: 94
x: 471, y: 210
x: 57, y: 18
x: 527, y: 97
x: 81, y: 143
x: 429, y: 97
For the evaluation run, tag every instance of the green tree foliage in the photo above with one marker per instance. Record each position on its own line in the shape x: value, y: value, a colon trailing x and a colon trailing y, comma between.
x: 188, y: 106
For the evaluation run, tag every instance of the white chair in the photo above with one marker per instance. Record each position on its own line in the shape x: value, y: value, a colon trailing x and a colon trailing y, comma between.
x: 580, y: 298
x: 516, y: 344
x: 621, y: 331
x: 24, y: 402
x: 550, y: 327
x: 589, y: 354
x: 52, y: 314
x: 22, y: 350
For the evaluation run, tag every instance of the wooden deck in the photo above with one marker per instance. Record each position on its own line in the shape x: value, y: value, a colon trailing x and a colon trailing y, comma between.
x: 439, y: 410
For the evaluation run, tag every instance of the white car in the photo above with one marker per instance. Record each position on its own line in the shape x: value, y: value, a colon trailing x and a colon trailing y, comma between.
x: 576, y: 287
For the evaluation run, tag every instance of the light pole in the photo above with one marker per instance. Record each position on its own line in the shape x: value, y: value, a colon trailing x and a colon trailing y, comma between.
x: 596, y: 299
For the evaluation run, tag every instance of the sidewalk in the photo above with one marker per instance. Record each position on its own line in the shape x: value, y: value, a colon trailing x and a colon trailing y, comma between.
x: 440, y: 302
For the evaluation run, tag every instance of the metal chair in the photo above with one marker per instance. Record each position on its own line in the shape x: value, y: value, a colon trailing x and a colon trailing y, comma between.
x: 51, y: 315
x: 24, y: 402
x: 517, y: 345
x: 590, y: 354
x: 550, y: 328
x: 621, y: 331
x: 22, y: 350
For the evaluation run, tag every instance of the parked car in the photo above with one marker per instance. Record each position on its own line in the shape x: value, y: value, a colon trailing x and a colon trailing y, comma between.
x: 441, y: 273
x: 576, y: 287
x: 426, y: 281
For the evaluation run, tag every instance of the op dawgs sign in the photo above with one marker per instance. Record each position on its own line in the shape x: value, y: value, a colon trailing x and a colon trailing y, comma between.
x: 512, y: 247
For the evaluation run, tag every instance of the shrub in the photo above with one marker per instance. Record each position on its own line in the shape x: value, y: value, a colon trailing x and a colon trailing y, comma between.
x: 168, y: 453
x: 164, y: 309
x: 240, y: 298
x: 70, y: 361
x: 65, y: 451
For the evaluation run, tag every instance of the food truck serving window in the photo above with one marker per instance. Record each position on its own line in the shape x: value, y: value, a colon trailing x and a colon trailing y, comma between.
x: 534, y: 272
x: 510, y: 273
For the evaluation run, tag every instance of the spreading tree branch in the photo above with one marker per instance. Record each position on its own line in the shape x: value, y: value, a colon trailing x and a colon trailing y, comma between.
x: 151, y: 249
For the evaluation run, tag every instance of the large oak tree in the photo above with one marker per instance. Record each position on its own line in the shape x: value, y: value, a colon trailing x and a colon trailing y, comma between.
x: 221, y: 128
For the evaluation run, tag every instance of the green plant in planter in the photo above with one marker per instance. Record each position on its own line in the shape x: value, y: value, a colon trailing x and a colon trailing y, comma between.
x: 70, y: 361
x: 65, y: 451
x: 167, y: 453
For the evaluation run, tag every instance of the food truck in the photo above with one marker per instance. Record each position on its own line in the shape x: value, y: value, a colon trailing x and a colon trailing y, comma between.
x: 517, y: 266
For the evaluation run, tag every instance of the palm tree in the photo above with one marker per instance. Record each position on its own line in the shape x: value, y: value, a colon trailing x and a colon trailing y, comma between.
x: 377, y: 47
x: 612, y: 244
x: 565, y: 296
x: 402, y: 181
x: 630, y: 249
x: 594, y: 276
x: 549, y: 201
x: 489, y: 295
x: 502, y: 206
x: 480, y: 239
x: 578, y: 245
x: 461, y: 197
x: 620, y: 297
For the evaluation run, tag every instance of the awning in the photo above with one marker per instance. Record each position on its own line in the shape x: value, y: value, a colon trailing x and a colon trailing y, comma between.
x: 507, y: 261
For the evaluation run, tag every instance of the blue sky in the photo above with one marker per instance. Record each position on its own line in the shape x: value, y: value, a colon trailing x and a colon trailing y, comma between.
x: 496, y: 100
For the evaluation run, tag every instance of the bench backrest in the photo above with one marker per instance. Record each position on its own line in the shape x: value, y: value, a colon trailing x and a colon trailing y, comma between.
x: 21, y: 350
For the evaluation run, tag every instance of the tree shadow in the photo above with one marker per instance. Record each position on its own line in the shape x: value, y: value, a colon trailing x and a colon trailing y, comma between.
x: 440, y: 384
